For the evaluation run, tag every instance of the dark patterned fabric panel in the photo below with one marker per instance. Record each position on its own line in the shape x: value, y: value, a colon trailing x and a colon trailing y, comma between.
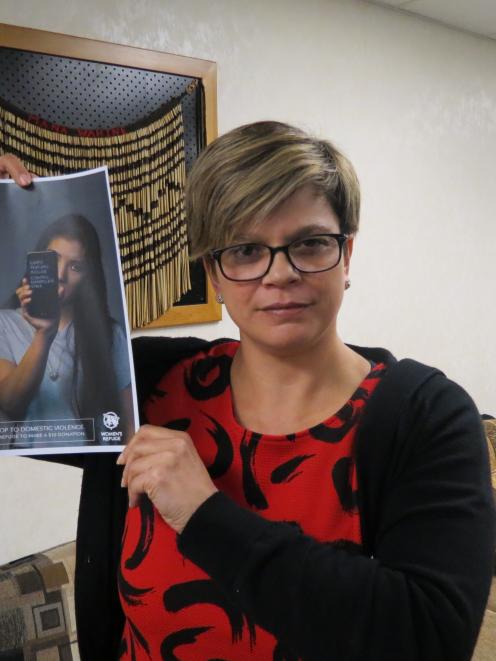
x: 37, y: 620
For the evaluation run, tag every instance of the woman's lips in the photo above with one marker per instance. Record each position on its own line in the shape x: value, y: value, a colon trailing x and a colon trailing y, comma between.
x: 288, y: 304
x: 282, y: 309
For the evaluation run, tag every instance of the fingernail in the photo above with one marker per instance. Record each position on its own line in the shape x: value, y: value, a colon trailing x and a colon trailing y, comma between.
x: 119, y: 459
x: 25, y: 179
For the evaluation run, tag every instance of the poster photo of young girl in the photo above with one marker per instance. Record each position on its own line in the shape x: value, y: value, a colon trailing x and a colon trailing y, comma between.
x: 66, y: 383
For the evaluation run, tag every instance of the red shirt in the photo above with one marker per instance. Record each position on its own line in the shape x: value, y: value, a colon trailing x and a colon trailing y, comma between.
x: 173, y: 609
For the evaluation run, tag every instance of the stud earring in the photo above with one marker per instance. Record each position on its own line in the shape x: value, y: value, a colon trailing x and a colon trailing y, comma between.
x: 219, y: 298
x: 347, y: 283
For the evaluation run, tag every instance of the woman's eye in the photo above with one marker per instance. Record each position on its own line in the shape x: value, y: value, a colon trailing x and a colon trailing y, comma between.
x: 312, y: 243
x: 246, y: 251
x: 77, y: 267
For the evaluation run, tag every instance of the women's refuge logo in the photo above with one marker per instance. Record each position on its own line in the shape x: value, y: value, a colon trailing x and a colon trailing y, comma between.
x: 111, y: 420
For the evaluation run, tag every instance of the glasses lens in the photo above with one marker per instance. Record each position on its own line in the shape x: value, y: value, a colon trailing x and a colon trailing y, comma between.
x: 245, y: 262
x: 315, y: 253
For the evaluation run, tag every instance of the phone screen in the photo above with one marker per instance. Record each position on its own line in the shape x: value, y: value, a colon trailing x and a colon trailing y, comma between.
x: 42, y: 275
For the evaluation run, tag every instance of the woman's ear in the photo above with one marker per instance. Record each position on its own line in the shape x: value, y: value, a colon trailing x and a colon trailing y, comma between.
x: 210, y: 267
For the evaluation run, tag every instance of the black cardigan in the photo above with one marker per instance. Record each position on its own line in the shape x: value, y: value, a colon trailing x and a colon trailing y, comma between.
x: 419, y: 591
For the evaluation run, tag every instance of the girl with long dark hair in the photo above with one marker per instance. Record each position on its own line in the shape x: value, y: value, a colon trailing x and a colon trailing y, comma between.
x: 73, y: 365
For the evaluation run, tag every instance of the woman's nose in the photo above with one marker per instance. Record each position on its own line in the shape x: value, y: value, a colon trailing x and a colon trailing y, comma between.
x: 281, y: 270
x: 62, y: 271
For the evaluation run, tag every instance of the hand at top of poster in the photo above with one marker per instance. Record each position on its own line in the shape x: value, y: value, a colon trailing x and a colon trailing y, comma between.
x: 11, y: 166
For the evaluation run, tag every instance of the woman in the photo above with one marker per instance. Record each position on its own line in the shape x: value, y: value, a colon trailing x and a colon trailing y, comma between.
x: 51, y: 368
x: 304, y: 499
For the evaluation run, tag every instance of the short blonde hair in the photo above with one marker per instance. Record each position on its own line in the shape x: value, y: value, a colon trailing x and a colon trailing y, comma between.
x: 245, y: 174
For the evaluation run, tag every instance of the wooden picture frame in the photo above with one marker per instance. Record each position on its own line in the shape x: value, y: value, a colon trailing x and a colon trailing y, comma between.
x: 61, y: 45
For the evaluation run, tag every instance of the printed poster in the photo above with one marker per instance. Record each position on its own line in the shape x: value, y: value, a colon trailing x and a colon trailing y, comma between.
x: 66, y: 378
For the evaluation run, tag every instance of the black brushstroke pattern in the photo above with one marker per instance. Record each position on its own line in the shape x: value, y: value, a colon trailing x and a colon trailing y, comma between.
x: 281, y: 653
x: 131, y: 594
x: 181, y: 637
x: 180, y: 424
x: 330, y: 434
x: 341, y: 477
x: 198, y: 379
x: 122, y: 647
x: 253, y: 493
x: 191, y: 593
x: 347, y: 417
x: 225, y: 452
x: 286, y: 472
x: 124, y: 535
x: 378, y: 374
x: 158, y: 393
x: 291, y: 437
x: 133, y: 650
x: 335, y: 434
x: 360, y: 394
x: 146, y: 534
x: 136, y: 633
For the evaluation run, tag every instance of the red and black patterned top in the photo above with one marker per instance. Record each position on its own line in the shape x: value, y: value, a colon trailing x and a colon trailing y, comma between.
x: 173, y: 610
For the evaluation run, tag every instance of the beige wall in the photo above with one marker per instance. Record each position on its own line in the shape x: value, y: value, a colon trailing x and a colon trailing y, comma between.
x: 412, y: 103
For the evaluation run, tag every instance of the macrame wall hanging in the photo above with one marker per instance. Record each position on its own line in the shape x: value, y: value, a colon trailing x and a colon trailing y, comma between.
x: 147, y: 161
x: 147, y: 176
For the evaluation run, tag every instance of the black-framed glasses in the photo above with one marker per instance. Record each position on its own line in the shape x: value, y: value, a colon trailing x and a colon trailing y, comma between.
x: 309, y: 254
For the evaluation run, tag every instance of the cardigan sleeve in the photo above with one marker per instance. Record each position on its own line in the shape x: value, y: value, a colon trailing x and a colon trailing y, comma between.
x: 420, y: 597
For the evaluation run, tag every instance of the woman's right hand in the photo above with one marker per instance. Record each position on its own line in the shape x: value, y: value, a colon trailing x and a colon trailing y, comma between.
x: 11, y: 166
x: 46, y: 326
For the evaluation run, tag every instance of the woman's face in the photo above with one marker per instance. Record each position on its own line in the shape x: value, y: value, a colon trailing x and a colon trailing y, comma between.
x: 71, y: 267
x: 287, y: 311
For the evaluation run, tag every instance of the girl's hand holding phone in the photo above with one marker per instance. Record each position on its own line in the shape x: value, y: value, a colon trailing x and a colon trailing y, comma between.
x: 24, y: 294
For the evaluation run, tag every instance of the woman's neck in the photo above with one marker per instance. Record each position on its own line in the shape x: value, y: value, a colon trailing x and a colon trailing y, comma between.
x: 282, y: 394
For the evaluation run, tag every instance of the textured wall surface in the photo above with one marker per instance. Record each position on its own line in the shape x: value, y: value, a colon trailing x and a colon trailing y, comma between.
x: 412, y: 103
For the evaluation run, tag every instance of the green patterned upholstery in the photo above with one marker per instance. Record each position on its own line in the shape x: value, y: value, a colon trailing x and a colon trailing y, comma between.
x: 37, y: 621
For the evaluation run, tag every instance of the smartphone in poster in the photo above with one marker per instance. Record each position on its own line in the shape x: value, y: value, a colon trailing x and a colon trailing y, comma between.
x: 42, y: 277
x: 66, y: 378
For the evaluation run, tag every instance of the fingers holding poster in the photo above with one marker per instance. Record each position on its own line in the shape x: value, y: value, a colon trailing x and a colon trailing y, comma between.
x: 66, y: 383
